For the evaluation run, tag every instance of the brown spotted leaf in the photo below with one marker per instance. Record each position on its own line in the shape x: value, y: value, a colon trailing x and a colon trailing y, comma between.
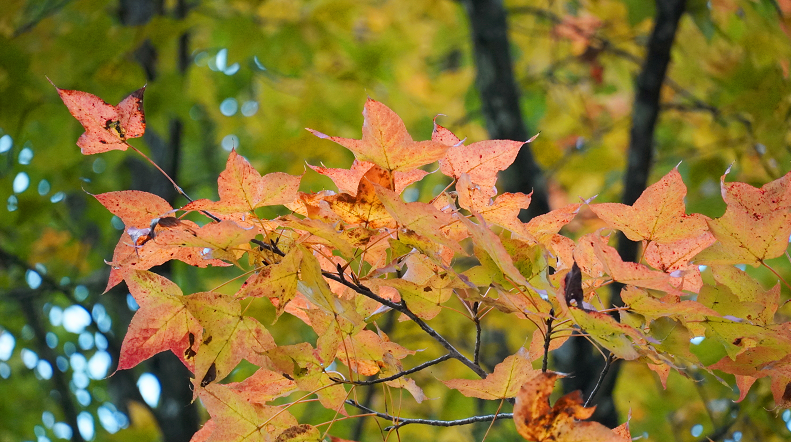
x: 756, y: 224
x: 658, y: 215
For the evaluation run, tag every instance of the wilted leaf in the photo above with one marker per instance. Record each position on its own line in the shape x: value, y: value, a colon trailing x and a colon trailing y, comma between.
x: 536, y: 421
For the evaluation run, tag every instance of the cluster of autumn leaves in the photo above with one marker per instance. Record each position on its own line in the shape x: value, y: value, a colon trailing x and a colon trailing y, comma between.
x: 343, y: 258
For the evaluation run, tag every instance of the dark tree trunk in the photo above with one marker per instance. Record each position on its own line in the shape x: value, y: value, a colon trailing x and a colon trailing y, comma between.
x: 646, y: 111
x: 578, y: 356
x: 494, y: 78
x: 176, y: 415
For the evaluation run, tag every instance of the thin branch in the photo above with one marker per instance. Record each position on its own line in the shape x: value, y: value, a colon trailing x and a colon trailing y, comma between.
x: 547, y: 339
x: 400, y: 422
x: 477, y: 354
x: 401, y: 373
x: 402, y: 308
x: 607, y: 364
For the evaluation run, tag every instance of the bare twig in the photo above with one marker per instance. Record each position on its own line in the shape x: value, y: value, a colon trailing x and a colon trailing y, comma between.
x: 400, y: 422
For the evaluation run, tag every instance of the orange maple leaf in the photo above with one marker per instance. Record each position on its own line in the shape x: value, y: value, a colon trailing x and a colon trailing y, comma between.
x: 138, y: 210
x: 242, y: 188
x: 386, y: 142
x: 347, y: 180
x: 107, y: 127
x: 756, y: 224
x: 364, y: 208
x: 536, y: 421
x: 658, y: 215
x: 228, y: 336
x: 481, y: 160
x: 506, y: 380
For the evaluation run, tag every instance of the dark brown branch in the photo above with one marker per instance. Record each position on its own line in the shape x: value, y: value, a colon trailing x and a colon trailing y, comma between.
x: 477, y: 353
x: 494, y: 79
x: 400, y: 422
x: 547, y: 340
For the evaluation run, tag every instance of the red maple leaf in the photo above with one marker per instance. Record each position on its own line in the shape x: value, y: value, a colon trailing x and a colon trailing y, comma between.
x: 107, y: 127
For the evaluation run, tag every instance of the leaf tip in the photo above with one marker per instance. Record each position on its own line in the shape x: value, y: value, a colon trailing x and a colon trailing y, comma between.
x: 317, y: 133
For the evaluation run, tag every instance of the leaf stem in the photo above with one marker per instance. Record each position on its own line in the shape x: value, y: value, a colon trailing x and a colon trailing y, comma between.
x: 607, y: 364
x: 176, y: 186
x: 776, y: 274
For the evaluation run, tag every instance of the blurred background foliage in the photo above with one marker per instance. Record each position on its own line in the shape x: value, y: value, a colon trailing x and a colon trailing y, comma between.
x: 251, y: 74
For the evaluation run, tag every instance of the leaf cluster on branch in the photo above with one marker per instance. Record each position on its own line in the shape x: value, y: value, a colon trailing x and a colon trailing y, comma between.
x: 343, y: 259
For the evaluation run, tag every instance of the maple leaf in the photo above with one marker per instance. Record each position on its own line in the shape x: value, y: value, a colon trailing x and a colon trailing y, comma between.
x: 263, y: 386
x: 242, y: 188
x: 363, y: 352
x: 421, y: 218
x: 278, y: 282
x: 756, y: 224
x: 506, y: 380
x: 490, y: 242
x: 629, y: 272
x: 137, y: 210
x: 347, y: 180
x: 481, y: 160
x: 386, y: 142
x: 761, y: 305
x: 324, y: 233
x: 308, y: 370
x: 424, y: 299
x: 503, y: 211
x: 658, y: 215
x: 237, y: 420
x: 216, y: 240
x: 364, y: 208
x: 162, y: 322
x: 545, y: 227
x: 536, y: 421
x: 107, y: 127
x: 622, y: 340
x: 228, y: 337
x: 674, y: 258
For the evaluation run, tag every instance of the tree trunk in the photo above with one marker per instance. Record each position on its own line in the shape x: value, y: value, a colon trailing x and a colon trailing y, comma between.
x: 494, y: 78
